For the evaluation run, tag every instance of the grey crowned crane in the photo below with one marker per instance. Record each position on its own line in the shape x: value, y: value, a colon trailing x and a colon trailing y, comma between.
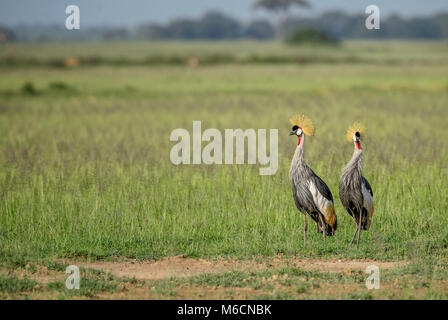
x: 354, y: 190
x: 311, y: 195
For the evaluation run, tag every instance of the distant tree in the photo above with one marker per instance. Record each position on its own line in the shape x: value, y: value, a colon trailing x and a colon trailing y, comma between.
x: 396, y: 27
x: 151, y: 32
x: 260, y: 29
x: 424, y: 28
x: 336, y: 23
x: 6, y: 34
x: 282, y: 8
x: 215, y: 25
x: 280, y: 5
x: 441, y: 19
x: 184, y: 29
x: 109, y: 34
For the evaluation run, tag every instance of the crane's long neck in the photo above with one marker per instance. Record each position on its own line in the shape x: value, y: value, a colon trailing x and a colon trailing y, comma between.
x: 354, y: 166
x: 298, y: 161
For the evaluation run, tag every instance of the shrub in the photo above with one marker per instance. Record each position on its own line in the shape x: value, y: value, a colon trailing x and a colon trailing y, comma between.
x: 28, y: 88
x: 310, y: 36
x: 58, y: 85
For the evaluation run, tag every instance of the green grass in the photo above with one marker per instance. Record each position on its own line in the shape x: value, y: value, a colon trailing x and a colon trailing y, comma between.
x: 92, y: 283
x: 296, y: 283
x: 255, y: 280
x: 421, y: 279
x: 25, y: 282
x: 374, y: 51
x: 85, y: 167
x: 13, y: 284
x: 276, y: 281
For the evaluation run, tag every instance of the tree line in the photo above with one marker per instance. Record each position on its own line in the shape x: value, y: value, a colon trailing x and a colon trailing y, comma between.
x: 218, y: 26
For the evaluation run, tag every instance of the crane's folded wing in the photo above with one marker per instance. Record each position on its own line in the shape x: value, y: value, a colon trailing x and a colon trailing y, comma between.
x: 367, y: 185
x: 367, y: 195
x: 323, y: 199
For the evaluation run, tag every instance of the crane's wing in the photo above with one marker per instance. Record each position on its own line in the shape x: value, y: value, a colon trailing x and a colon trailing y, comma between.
x: 322, y: 187
x: 367, y: 185
x: 296, y: 199
x: 304, y: 200
x: 323, y: 199
x: 367, y: 195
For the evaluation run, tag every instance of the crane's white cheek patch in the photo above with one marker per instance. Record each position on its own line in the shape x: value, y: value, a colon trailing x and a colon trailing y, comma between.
x: 323, y: 204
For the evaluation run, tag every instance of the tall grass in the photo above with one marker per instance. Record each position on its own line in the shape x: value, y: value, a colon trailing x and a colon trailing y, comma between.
x: 178, y: 53
x: 85, y: 171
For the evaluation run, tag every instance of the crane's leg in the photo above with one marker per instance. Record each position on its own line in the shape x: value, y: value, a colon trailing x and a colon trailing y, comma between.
x: 324, y: 230
x: 304, y: 230
x: 356, y: 231
x: 359, y: 230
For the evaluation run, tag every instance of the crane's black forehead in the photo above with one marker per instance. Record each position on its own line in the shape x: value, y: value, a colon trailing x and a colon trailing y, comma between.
x: 357, y: 134
x: 294, y: 128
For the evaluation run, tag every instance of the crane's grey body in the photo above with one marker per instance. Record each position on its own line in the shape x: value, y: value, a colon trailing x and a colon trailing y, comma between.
x: 311, y: 194
x: 356, y: 194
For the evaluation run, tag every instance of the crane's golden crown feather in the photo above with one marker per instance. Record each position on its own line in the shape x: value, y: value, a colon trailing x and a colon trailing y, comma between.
x: 356, y: 127
x: 304, y: 123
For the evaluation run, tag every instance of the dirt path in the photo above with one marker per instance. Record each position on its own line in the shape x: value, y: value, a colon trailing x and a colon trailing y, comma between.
x: 276, y: 285
x: 179, y: 266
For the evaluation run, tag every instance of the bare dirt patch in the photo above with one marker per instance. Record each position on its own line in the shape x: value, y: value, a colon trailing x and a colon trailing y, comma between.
x: 228, y: 293
x: 185, y: 292
x: 177, y: 266
x: 344, y: 266
x: 39, y: 273
x: 180, y: 266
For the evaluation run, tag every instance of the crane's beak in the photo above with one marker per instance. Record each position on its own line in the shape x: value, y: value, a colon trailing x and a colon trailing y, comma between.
x: 292, y: 133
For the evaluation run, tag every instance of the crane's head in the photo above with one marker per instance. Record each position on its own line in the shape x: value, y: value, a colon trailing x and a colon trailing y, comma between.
x: 296, y: 130
x: 354, y: 134
x: 301, y: 125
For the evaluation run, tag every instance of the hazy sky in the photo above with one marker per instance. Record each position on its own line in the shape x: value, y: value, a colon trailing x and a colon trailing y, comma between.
x: 132, y: 12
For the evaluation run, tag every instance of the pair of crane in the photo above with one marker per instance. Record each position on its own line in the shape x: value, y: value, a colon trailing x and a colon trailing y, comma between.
x: 312, y: 196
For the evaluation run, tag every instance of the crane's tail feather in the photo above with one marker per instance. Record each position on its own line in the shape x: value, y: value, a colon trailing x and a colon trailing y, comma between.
x: 330, y: 226
x: 366, y: 219
x: 331, y: 220
x: 330, y: 230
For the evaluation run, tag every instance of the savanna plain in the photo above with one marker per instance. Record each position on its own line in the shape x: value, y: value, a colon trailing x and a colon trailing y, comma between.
x: 86, y: 177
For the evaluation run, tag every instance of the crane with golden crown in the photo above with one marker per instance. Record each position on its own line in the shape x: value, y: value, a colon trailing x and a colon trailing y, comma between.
x: 354, y: 190
x: 311, y: 194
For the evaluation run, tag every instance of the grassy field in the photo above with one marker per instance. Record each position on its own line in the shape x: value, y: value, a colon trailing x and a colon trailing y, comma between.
x: 86, y: 175
x: 237, y: 52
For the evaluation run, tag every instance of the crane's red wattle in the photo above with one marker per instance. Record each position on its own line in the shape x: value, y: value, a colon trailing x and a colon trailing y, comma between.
x: 358, y: 145
x: 298, y: 142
